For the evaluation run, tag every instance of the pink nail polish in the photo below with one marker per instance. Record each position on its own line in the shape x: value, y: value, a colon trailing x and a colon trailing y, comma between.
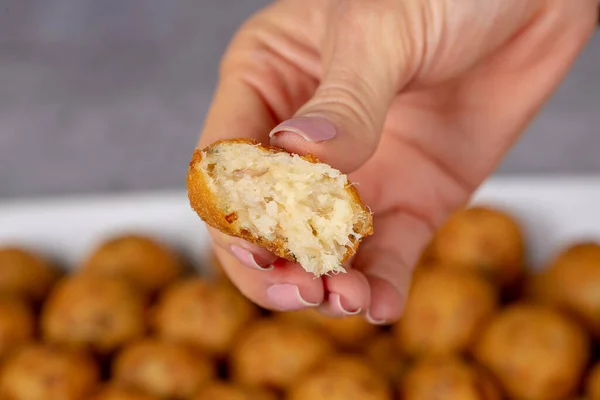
x: 247, y: 258
x: 335, y: 300
x: 286, y: 297
x: 311, y: 129
x: 374, y: 321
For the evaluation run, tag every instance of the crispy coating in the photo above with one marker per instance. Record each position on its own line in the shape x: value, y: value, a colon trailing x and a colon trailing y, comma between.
x: 348, y: 333
x: 204, y: 314
x: 219, y: 390
x: 24, y: 273
x: 448, y: 378
x: 204, y: 202
x: 163, y: 369
x: 342, y: 377
x: 571, y: 282
x: 142, y: 260
x: 273, y: 353
x: 116, y: 392
x: 481, y: 239
x: 44, y: 372
x: 534, y: 351
x: 99, y: 313
x: 445, y: 311
x: 17, y: 324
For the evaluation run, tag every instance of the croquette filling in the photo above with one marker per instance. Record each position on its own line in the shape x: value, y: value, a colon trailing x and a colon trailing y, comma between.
x: 280, y: 196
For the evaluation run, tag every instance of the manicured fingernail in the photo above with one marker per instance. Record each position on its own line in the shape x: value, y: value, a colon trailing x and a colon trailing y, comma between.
x: 374, y: 321
x: 311, y: 129
x: 286, y: 297
x: 247, y: 258
x: 335, y: 300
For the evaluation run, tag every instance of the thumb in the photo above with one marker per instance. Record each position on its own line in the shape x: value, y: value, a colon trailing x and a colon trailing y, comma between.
x: 363, y: 70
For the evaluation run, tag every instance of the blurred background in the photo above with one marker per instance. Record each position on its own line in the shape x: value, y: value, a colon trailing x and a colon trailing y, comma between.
x: 109, y: 96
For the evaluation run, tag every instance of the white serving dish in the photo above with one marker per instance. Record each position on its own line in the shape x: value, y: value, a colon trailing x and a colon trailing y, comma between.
x: 553, y: 212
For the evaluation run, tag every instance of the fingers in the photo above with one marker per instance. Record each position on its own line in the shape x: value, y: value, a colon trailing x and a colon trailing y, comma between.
x: 388, y: 261
x: 248, y: 254
x: 363, y: 70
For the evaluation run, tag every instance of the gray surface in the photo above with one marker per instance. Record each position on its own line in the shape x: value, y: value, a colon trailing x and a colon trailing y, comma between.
x: 110, y: 95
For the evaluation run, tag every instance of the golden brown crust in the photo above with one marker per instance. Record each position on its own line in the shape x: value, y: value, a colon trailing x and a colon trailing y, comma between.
x: 203, y: 201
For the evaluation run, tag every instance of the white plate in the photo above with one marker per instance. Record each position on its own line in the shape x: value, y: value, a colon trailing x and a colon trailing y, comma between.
x: 553, y: 212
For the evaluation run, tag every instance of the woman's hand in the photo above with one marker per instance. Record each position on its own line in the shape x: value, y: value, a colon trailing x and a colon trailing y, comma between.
x: 417, y: 100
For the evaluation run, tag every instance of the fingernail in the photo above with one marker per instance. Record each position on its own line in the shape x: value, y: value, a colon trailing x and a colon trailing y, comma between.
x: 286, y: 297
x: 336, y: 302
x: 311, y: 129
x: 247, y: 258
x: 374, y: 321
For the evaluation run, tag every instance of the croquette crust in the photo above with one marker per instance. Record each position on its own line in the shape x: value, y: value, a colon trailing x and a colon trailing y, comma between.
x: 204, y: 203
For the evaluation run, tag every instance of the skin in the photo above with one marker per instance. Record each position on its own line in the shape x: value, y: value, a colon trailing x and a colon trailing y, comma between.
x: 425, y: 98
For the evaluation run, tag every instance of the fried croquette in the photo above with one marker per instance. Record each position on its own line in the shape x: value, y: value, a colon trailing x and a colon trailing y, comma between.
x: 45, y: 372
x: 572, y: 282
x: 204, y: 314
x: 24, y: 273
x: 385, y: 356
x: 219, y: 390
x: 445, y: 311
x: 481, y: 239
x: 17, y: 324
x: 448, y: 377
x: 535, y: 352
x: 163, y: 369
x: 142, y: 260
x: 592, y: 383
x: 296, y: 207
x: 272, y: 353
x: 341, y: 377
x: 99, y: 313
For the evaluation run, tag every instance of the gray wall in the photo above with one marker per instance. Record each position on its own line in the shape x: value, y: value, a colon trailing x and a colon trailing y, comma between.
x: 110, y: 95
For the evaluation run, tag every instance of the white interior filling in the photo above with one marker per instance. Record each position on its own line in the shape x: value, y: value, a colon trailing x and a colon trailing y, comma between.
x: 279, y: 195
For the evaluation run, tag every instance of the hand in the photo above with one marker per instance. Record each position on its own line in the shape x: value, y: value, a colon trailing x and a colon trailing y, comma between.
x: 417, y: 100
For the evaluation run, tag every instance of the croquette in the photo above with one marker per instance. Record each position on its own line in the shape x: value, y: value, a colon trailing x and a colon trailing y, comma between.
x: 273, y: 353
x: 219, y: 390
x: 448, y: 377
x: 535, y: 352
x: 144, y: 261
x: 204, y: 314
x: 116, y: 392
x: 297, y: 207
x: 445, y: 311
x: 24, y: 273
x: 17, y: 324
x: 163, y: 369
x: 481, y: 239
x: 99, y: 313
x: 46, y: 372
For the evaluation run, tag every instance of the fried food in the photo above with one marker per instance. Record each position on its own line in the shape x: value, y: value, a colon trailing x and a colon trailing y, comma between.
x: 342, y: 377
x: 203, y: 314
x: 481, y: 239
x: 116, y: 392
x: 296, y: 207
x: 23, y: 273
x: 17, y: 324
x: 535, y: 352
x: 44, y: 372
x: 347, y: 333
x: 219, y: 390
x: 385, y: 356
x: 143, y: 261
x: 572, y: 281
x: 447, y: 378
x: 445, y: 311
x: 273, y: 353
x: 163, y: 369
x: 99, y: 313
